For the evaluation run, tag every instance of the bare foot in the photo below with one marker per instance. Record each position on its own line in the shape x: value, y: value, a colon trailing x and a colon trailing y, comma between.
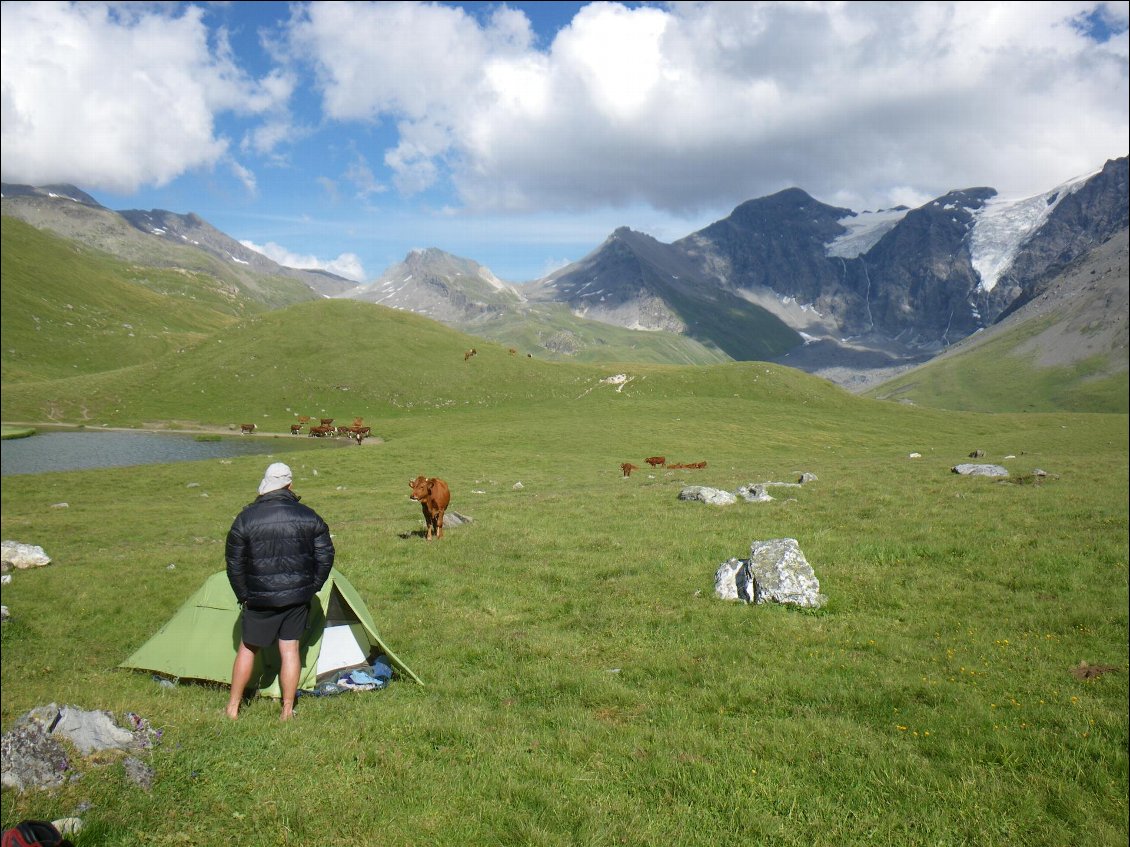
x: 232, y: 712
x: 286, y: 715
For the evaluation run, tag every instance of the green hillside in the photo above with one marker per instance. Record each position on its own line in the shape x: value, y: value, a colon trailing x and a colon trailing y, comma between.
x: 346, y: 359
x: 70, y: 310
x: 1000, y: 375
x: 552, y: 331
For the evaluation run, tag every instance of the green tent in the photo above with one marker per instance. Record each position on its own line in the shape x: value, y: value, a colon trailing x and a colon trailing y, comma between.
x: 201, y: 639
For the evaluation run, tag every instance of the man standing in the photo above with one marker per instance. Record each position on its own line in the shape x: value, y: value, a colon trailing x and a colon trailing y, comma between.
x: 279, y: 555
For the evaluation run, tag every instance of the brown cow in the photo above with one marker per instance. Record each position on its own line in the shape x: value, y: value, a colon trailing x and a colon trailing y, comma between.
x: 467, y: 355
x: 295, y: 429
x: 244, y: 429
x: 627, y: 468
x: 656, y: 461
x: 433, y: 496
x: 320, y: 431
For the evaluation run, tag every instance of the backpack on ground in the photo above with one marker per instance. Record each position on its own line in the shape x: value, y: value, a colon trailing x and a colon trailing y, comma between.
x: 34, y: 834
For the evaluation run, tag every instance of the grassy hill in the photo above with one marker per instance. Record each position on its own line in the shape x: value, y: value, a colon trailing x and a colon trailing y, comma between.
x: 108, y: 233
x: 71, y: 310
x: 551, y: 331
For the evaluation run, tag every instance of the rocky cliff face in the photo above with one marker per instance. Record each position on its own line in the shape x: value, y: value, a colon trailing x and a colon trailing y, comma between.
x: 906, y: 283
x: 635, y: 281
x: 441, y: 286
x: 1080, y: 221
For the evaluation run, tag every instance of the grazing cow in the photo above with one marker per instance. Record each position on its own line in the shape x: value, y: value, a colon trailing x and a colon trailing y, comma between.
x: 304, y: 419
x: 512, y: 351
x: 326, y: 421
x: 295, y: 429
x: 358, y: 421
x: 627, y: 468
x: 468, y: 354
x: 320, y: 431
x: 656, y: 461
x: 697, y: 465
x: 676, y: 466
x: 433, y: 496
x: 244, y: 429
x: 357, y: 433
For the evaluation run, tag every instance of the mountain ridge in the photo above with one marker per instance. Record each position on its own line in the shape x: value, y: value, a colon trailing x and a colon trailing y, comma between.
x: 786, y: 278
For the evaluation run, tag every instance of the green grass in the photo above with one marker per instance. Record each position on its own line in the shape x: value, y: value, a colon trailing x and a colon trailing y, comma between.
x: 69, y: 310
x: 997, y: 376
x: 583, y: 686
x: 552, y: 332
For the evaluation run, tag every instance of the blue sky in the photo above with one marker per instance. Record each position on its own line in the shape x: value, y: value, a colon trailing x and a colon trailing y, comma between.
x: 519, y: 135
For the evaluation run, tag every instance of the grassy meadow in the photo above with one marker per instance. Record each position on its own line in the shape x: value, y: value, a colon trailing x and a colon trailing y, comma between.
x: 583, y: 685
x: 966, y: 683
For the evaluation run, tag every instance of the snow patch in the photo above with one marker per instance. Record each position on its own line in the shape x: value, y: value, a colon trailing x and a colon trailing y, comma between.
x: 1001, y: 227
x: 863, y: 232
x: 619, y: 380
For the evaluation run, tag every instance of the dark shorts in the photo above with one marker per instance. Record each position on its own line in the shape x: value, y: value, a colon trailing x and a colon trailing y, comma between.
x: 263, y: 627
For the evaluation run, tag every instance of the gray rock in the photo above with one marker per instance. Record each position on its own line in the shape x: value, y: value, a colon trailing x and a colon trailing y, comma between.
x: 138, y: 772
x: 14, y: 554
x: 781, y: 574
x: 89, y: 732
x: 34, y: 757
x: 754, y: 493
x: 775, y: 572
x: 31, y: 758
x: 712, y: 496
x: 732, y: 581
x: 970, y: 469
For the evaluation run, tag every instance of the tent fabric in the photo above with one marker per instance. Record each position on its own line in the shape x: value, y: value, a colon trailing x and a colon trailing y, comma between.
x: 200, y: 641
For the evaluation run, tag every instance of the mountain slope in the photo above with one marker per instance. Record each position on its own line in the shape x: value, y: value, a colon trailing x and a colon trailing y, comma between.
x: 160, y: 239
x: 1064, y: 350
x: 468, y: 297
x: 440, y: 286
x: 634, y: 281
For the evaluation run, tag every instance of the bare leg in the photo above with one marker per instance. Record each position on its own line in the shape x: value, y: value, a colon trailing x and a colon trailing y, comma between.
x: 240, y: 676
x: 289, y: 672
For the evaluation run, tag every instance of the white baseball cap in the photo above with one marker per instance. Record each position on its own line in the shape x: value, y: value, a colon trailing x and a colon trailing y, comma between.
x: 277, y: 476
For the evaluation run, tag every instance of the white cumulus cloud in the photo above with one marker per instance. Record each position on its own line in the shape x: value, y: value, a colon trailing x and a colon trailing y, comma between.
x: 347, y: 265
x: 116, y: 96
x: 679, y: 106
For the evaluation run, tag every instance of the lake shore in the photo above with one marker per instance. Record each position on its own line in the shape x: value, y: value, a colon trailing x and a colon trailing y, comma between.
x: 159, y: 428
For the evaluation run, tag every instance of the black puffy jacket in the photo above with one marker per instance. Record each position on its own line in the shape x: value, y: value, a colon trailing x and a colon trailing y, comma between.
x: 279, y: 552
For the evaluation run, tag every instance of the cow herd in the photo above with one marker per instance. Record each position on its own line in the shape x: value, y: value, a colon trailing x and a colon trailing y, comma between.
x: 325, y: 428
x: 661, y: 462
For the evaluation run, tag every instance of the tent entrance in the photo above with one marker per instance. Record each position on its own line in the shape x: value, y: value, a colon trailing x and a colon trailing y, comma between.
x: 345, y: 644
